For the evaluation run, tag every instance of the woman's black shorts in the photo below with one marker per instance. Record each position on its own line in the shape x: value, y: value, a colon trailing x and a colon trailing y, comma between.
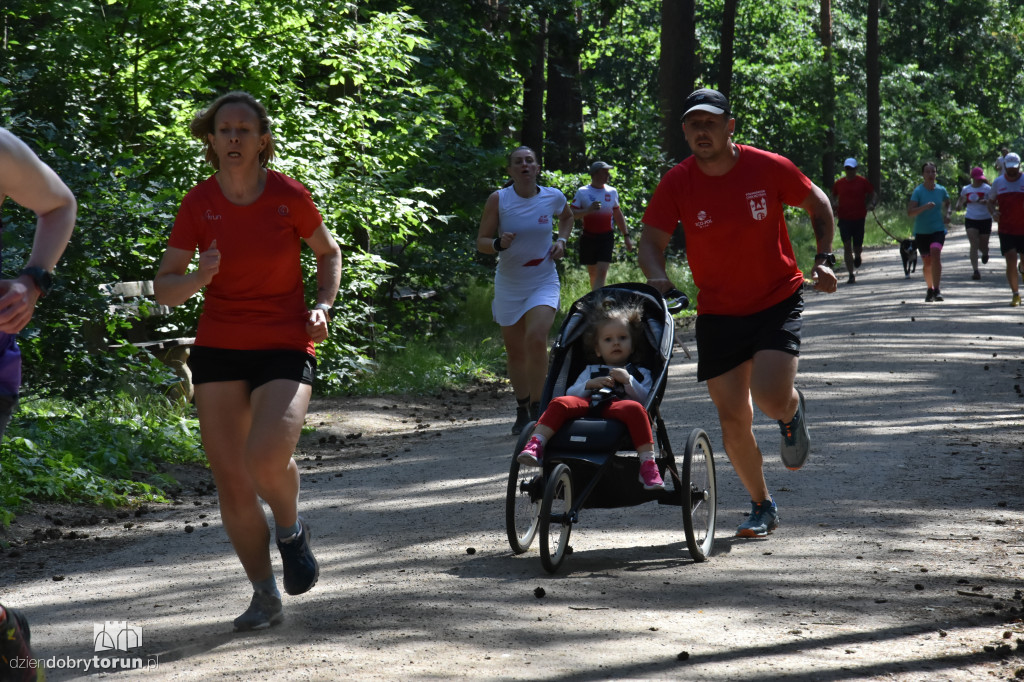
x: 982, y: 226
x: 924, y: 242
x: 725, y: 342
x: 596, y: 248
x: 254, y: 366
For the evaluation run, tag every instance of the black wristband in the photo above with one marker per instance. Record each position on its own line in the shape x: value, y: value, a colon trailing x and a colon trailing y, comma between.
x: 496, y: 243
x: 828, y: 259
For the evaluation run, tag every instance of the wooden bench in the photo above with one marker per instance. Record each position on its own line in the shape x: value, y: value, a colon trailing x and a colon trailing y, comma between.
x: 135, y: 302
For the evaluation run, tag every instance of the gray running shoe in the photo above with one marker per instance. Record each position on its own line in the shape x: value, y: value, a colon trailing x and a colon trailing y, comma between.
x: 301, y: 569
x: 264, y: 611
x: 796, y: 440
x: 763, y: 519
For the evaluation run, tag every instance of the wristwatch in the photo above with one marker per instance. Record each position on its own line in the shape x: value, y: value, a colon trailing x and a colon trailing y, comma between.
x: 828, y: 259
x: 324, y: 307
x: 43, y: 278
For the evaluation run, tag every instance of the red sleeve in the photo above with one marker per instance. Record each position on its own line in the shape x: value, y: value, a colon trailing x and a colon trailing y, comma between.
x: 185, y: 232
x: 663, y: 210
x: 307, y: 217
x: 794, y: 186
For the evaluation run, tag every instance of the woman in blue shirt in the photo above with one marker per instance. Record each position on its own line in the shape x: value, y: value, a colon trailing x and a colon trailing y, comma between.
x: 929, y: 207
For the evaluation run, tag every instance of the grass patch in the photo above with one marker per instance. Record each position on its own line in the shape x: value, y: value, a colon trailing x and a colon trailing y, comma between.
x: 97, y: 452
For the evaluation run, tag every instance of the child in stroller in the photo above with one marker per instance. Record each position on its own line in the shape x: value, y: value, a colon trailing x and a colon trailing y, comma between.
x: 612, y: 388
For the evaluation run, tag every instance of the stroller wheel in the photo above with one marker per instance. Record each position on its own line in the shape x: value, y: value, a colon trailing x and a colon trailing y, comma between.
x: 522, y: 504
x: 555, y: 521
x: 700, y: 496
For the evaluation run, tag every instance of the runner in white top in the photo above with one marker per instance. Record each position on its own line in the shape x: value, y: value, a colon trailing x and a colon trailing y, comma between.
x: 977, y: 219
x: 518, y: 223
x: 598, y: 205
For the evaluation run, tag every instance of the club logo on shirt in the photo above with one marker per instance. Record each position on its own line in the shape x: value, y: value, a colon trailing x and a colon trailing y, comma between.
x: 282, y: 210
x: 210, y: 215
x: 544, y: 220
x: 758, y: 202
x: 608, y: 197
x: 703, y: 220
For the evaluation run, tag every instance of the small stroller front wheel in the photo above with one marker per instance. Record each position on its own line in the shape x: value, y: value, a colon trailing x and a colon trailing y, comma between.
x: 555, y: 521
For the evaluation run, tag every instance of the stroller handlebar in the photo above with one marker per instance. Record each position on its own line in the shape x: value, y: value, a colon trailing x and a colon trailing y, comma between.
x: 676, y: 300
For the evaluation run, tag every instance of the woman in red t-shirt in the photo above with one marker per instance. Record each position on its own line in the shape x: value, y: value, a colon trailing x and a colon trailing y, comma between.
x: 253, y: 363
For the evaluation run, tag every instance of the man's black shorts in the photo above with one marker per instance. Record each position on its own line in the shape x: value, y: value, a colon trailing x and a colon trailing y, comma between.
x: 1011, y: 242
x: 254, y: 366
x: 924, y: 242
x: 596, y: 248
x: 725, y: 342
x: 852, y: 229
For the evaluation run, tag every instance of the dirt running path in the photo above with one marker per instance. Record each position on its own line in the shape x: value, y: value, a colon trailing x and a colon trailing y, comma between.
x: 899, y: 555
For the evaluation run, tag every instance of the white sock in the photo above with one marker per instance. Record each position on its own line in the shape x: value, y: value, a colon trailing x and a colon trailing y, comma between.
x: 540, y: 439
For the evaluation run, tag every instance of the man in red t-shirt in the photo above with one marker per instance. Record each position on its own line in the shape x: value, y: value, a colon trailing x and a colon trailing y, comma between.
x: 730, y: 200
x: 1006, y: 204
x: 852, y: 197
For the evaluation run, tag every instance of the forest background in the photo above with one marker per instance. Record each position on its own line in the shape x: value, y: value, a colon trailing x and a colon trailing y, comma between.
x: 398, y: 117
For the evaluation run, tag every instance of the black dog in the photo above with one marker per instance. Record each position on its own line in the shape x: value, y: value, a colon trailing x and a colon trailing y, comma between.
x: 909, y: 255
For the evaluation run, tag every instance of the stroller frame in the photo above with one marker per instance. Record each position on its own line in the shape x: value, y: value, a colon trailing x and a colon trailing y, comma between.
x: 583, y: 454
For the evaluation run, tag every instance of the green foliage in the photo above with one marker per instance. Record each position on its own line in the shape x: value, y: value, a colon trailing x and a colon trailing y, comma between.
x: 94, y: 452
x: 397, y: 117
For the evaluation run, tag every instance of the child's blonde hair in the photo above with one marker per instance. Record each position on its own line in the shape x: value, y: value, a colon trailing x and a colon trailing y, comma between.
x: 606, y: 309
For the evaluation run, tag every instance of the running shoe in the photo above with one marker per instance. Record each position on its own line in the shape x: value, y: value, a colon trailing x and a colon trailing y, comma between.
x: 851, y: 279
x: 930, y: 296
x: 976, y: 275
x: 1015, y: 301
x: 16, y: 661
x: 938, y: 297
x: 796, y: 440
x: 532, y: 454
x: 650, y: 477
x: 522, y: 419
x: 856, y: 261
x: 301, y: 569
x: 264, y: 611
x: 984, y: 258
x: 763, y: 519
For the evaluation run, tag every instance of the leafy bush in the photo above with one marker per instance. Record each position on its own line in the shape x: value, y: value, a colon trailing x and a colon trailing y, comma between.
x: 101, y: 452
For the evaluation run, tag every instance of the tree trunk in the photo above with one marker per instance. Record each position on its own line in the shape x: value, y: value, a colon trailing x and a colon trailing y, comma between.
x: 874, y: 99
x: 725, y: 58
x: 676, y: 67
x: 828, y: 161
x: 533, y: 96
x: 566, y: 148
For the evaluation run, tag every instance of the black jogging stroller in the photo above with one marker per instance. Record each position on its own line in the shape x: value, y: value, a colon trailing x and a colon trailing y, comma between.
x: 584, y: 465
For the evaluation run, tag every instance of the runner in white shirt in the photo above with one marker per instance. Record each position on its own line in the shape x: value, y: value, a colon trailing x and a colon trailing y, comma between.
x: 598, y: 205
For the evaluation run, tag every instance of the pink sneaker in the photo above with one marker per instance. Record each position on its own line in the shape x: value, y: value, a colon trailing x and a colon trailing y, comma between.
x: 532, y: 454
x: 649, y: 476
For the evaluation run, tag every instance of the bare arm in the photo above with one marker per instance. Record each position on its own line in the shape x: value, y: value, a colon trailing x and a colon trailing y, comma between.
x: 565, y: 222
x: 914, y: 210
x: 489, y: 228
x: 819, y: 209
x: 620, y: 222
x: 328, y: 279
x: 328, y: 264
x: 174, y: 284
x: 34, y: 185
x: 651, y: 257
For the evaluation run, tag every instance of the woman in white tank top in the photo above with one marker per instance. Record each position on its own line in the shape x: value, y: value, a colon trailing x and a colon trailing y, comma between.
x: 518, y: 224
